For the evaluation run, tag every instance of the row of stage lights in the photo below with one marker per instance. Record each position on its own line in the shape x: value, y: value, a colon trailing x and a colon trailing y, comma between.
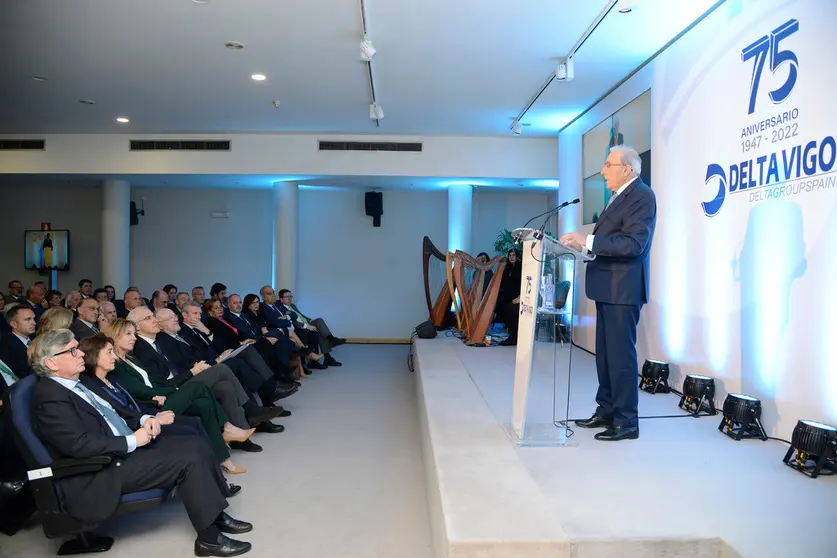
x: 813, y: 447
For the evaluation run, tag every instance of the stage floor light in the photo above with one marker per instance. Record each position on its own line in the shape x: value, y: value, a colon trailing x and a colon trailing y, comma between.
x: 655, y: 377
x: 815, y: 446
x: 742, y: 417
x: 698, y: 395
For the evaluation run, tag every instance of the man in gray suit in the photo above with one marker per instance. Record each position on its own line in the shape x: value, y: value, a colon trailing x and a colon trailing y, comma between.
x: 617, y: 280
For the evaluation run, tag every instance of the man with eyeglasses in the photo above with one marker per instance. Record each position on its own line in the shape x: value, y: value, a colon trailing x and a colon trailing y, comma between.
x: 326, y: 340
x: 76, y: 423
x: 15, y: 292
x: 617, y: 280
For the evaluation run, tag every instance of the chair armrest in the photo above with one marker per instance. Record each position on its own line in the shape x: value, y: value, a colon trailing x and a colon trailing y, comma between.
x: 67, y: 466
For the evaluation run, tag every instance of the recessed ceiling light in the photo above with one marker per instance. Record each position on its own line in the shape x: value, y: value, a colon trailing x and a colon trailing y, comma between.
x: 276, y: 103
x: 625, y: 6
x: 201, y: 1
x: 234, y: 45
x: 258, y: 77
x: 122, y: 119
x: 40, y: 78
x: 87, y: 101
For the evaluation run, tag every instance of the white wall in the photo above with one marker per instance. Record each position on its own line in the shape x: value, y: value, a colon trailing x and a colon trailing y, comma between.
x: 178, y: 242
x: 742, y: 296
x: 77, y: 209
x: 494, y: 212
x: 366, y: 281
x: 290, y: 154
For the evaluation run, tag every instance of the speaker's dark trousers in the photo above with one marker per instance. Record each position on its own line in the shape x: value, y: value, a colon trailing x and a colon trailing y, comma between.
x: 618, y: 395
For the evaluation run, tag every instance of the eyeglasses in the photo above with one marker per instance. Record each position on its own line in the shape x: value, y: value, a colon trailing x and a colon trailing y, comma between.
x: 73, y: 352
x: 609, y: 164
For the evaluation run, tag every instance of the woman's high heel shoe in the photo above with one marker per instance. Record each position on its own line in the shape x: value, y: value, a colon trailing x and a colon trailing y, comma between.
x: 243, y: 437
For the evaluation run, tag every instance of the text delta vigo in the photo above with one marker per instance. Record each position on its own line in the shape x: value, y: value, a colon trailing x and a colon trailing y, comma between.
x: 792, y: 163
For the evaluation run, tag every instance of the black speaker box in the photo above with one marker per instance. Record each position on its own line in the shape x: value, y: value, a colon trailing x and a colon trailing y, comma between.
x: 425, y: 330
x: 375, y: 207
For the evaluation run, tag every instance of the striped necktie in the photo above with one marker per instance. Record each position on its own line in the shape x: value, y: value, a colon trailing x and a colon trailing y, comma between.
x: 107, y: 412
x: 4, y: 368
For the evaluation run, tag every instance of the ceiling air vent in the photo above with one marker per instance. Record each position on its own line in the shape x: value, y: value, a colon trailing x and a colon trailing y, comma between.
x: 23, y: 145
x: 190, y: 145
x: 369, y: 146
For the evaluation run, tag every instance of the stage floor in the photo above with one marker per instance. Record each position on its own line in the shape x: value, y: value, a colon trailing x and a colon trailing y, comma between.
x: 680, y: 481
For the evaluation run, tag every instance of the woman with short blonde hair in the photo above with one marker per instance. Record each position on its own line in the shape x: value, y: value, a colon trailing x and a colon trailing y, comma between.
x: 55, y: 318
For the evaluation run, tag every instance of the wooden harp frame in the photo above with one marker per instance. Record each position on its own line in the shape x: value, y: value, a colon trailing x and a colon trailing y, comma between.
x: 474, y: 304
x: 438, y: 303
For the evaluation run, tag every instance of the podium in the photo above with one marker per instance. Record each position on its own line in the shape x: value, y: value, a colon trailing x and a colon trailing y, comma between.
x: 544, y: 340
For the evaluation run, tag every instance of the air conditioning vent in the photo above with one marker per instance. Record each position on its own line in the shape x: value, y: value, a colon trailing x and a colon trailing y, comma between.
x: 186, y: 145
x: 23, y: 145
x: 369, y: 146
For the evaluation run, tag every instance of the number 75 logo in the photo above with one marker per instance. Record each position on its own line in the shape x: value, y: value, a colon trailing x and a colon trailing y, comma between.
x: 769, y: 46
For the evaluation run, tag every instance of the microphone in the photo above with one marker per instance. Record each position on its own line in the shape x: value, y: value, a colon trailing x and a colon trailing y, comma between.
x: 551, y: 211
x: 539, y: 234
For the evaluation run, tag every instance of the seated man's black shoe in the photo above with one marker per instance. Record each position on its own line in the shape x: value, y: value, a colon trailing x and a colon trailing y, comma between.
x: 228, y: 524
x: 247, y: 446
x: 315, y: 364
x: 616, y: 433
x: 281, y: 393
x: 223, y: 546
x: 269, y: 428
x: 595, y: 422
x: 234, y: 489
x: 331, y: 361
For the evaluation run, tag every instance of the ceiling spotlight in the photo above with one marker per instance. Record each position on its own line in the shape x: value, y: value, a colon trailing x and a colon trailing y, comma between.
x: 87, y: 101
x: 565, y: 70
x: 375, y: 111
x: 517, y: 127
x: 40, y: 78
x: 625, y: 6
x: 698, y: 395
x: 742, y: 418
x: 655, y: 377
x: 367, y: 51
x: 813, y: 442
x: 201, y: 1
x: 122, y: 119
x: 258, y: 77
x: 234, y: 45
x: 276, y: 103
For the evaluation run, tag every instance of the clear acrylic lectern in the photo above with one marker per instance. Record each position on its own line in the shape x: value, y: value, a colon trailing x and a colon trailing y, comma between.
x: 544, y: 340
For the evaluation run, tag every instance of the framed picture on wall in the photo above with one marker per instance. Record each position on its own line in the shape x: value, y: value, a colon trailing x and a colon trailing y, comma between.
x: 47, y: 250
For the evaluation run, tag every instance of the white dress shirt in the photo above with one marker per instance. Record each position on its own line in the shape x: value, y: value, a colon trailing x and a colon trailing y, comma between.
x: 140, y: 371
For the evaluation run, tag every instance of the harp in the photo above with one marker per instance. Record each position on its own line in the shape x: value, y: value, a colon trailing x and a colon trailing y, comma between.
x: 475, y: 295
x: 435, y: 283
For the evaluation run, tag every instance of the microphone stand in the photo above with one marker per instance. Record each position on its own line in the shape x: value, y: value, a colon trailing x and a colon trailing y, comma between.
x: 539, y: 234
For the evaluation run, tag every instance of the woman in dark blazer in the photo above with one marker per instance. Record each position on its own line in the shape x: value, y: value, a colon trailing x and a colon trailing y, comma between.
x: 192, y: 398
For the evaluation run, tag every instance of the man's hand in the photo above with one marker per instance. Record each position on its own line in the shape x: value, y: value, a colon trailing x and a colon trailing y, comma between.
x: 309, y: 327
x: 199, y: 367
x: 143, y: 437
x: 160, y: 399
x: 226, y: 353
x: 165, y: 417
x: 574, y: 240
x: 264, y: 330
x: 272, y: 340
x: 152, y: 425
x: 516, y: 301
x: 102, y: 321
x: 248, y: 341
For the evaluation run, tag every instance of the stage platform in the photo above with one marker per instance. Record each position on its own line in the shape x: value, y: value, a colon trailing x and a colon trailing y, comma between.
x: 681, y: 490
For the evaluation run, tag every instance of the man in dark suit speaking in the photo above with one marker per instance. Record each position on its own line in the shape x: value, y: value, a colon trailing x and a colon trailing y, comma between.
x: 617, y: 280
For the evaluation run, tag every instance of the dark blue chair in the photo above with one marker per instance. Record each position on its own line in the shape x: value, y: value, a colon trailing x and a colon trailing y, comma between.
x: 44, y: 471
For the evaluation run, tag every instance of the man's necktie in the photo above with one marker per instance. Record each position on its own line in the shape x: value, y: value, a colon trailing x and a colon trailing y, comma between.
x: 172, y: 368
x: 4, y: 368
x: 179, y: 338
x: 110, y: 415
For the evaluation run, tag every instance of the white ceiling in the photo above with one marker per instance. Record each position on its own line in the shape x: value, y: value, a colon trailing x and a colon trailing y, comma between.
x: 25, y: 181
x: 443, y: 67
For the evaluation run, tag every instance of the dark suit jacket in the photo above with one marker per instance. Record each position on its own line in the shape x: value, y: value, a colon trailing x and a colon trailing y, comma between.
x: 157, y: 366
x: 71, y: 427
x: 273, y: 318
x: 184, y: 356
x: 133, y: 383
x: 622, y: 245
x: 13, y: 353
x: 223, y: 337
x: 200, y: 343
x: 81, y: 330
x: 246, y: 328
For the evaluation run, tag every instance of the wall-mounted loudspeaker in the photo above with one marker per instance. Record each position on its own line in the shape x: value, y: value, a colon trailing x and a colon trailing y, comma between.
x: 375, y: 207
x: 135, y: 213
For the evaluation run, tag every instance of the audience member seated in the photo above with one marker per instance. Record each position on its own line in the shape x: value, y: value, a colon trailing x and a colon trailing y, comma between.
x: 274, y: 318
x: 218, y: 292
x: 326, y: 340
x: 89, y: 321
x: 159, y: 300
x: 101, y: 295
x: 35, y: 299
x: 72, y: 301
x: 76, y: 423
x: 171, y: 291
x: 130, y: 300
x: 53, y: 299
x: 165, y: 373
x: 15, y: 292
x: 21, y: 321
x: 192, y: 398
x: 209, y: 347
x: 85, y: 288
x: 111, y: 292
x: 178, y: 302
x: 55, y: 319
